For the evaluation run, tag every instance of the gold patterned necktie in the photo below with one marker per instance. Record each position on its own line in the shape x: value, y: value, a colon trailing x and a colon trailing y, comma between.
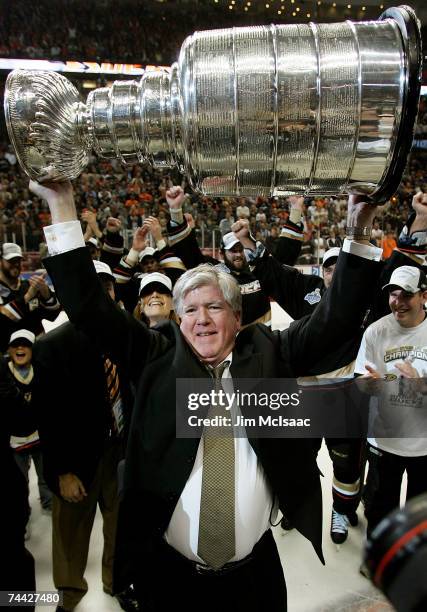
x: 217, y: 543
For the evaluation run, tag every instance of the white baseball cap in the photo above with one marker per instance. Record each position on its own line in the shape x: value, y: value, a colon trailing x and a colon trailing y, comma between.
x: 21, y: 334
x: 229, y: 240
x: 408, y: 278
x: 92, y: 241
x: 10, y: 250
x: 155, y: 277
x: 329, y: 254
x: 147, y: 252
x: 103, y: 268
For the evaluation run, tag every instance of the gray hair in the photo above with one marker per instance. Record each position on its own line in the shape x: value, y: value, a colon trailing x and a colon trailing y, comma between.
x: 207, y: 274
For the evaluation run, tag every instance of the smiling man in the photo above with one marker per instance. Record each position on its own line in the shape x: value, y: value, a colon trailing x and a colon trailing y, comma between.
x: 233, y: 253
x: 394, y: 349
x: 256, y: 303
x: 407, y: 296
x: 174, y: 554
x: 23, y: 303
x: 209, y: 305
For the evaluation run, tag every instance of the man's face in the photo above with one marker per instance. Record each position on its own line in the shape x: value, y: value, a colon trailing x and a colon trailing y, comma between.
x: 11, y: 268
x: 20, y: 353
x: 328, y: 274
x: 209, y: 324
x: 150, y: 264
x: 234, y: 258
x: 407, y: 308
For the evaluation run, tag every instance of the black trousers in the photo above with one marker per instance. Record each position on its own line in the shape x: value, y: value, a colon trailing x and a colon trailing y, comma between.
x: 347, y: 456
x: 385, y: 480
x: 172, y: 583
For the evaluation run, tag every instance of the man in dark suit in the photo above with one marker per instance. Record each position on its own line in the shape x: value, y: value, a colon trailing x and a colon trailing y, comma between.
x: 163, y: 508
x: 83, y: 442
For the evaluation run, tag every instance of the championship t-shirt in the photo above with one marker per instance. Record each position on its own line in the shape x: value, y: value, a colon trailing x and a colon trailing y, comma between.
x: 399, y: 412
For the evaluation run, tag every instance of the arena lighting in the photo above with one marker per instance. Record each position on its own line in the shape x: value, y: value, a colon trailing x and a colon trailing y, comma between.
x: 77, y: 67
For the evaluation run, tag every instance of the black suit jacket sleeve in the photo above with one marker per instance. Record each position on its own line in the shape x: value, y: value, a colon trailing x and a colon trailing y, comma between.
x: 58, y: 433
x: 125, y: 340
x: 287, y: 286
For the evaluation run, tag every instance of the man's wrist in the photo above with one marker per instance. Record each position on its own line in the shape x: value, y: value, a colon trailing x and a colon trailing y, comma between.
x: 62, y: 237
x: 359, y: 233
x: 253, y: 254
x: 132, y: 257
x: 46, y: 298
x: 248, y: 244
x: 161, y: 243
x: 295, y: 215
x: 176, y: 215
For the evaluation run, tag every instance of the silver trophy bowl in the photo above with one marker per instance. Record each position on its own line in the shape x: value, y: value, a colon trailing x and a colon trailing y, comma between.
x: 271, y: 110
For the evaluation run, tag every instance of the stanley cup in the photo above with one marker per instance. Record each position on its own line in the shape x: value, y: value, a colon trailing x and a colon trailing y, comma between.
x: 270, y: 110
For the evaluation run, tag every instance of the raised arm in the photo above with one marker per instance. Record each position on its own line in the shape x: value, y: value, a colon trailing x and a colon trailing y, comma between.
x: 180, y: 234
x: 341, y: 312
x: 113, y: 331
x: 295, y: 292
x: 291, y: 238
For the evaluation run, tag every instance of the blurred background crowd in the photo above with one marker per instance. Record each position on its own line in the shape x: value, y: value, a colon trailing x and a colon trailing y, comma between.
x: 128, y: 31
x: 132, y: 194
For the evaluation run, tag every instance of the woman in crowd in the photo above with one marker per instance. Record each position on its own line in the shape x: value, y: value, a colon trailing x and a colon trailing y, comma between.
x: 155, y: 299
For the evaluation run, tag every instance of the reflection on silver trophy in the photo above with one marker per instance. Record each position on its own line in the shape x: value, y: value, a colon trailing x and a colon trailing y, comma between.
x: 269, y: 110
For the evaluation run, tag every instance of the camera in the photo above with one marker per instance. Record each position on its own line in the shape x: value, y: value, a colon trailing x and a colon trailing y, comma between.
x: 396, y: 556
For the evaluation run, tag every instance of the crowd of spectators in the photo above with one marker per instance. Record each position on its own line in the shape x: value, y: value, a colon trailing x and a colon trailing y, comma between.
x: 104, y: 30
x: 132, y: 32
x: 132, y: 194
